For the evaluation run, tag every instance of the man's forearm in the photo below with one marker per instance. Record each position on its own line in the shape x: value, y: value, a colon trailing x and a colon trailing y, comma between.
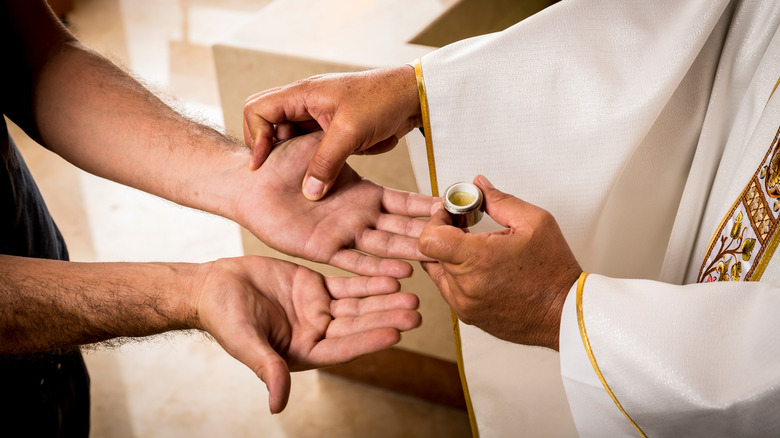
x: 47, y: 304
x: 99, y: 118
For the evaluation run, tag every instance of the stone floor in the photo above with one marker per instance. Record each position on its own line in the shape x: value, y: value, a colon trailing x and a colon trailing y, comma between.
x: 184, y: 384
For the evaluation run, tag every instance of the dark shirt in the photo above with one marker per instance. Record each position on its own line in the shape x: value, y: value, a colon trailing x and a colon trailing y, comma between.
x: 43, y: 394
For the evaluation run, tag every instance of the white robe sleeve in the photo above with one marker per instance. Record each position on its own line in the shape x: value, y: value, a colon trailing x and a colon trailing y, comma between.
x: 695, y: 360
x: 594, y: 111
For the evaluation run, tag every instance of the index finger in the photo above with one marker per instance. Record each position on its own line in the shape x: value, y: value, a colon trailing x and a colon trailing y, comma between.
x: 407, y: 203
x: 259, y: 133
x: 358, y: 287
x: 440, y: 240
x: 264, y: 110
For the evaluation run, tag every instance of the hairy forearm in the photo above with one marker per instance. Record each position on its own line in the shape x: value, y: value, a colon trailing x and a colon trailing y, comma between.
x: 99, y: 118
x: 47, y: 304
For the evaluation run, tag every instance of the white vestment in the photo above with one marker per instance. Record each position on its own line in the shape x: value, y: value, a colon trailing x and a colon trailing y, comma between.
x: 647, y: 129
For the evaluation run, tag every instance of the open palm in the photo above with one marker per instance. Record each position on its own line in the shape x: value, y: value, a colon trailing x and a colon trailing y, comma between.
x: 355, y: 215
x: 277, y: 317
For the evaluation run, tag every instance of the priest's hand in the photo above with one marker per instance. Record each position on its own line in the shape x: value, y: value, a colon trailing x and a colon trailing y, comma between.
x: 276, y: 317
x: 364, y: 112
x: 510, y: 283
x: 356, y: 215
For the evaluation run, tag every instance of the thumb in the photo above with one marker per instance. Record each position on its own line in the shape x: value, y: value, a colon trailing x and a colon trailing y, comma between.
x: 504, y: 208
x: 338, y: 143
x: 438, y: 275
x: 276, y: 376
x: 266, y: 363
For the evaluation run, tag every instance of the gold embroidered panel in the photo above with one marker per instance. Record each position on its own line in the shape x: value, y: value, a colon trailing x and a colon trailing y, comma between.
x: 747, y: 236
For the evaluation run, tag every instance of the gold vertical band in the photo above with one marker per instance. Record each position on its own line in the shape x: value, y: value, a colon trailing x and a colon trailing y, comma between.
x: 435, y: 192
x: 770, y: 251
x: 586, y: 342
x: 773, y: 91
x: 427, y: 127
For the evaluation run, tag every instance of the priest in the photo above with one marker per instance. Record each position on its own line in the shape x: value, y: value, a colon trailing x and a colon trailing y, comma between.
x: 648, y: 133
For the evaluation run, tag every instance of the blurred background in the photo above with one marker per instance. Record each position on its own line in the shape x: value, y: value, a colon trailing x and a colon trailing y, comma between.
x: 206, y: 57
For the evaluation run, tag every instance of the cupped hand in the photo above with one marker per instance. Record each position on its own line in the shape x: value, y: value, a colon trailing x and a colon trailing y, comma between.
x: 356, y: 219
x: 511, y: 283
x: 364, y: 112
x: 276, y: 317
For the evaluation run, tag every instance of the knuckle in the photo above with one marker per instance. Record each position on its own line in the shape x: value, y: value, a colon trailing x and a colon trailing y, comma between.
x: 425, y: 242
x: 321, y: 165
x: 545, y: 219
x: 499, y: 196
x: 248, y: 110
x: 350, y: 129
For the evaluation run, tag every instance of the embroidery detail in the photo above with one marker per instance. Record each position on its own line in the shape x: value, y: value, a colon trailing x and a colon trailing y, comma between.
x: 744, y: 237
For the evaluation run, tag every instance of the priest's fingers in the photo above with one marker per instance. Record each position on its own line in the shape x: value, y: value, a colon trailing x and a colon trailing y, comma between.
x: 382, y: 146
x: 443, y: 242
x: 262, y: 112
x: 332, y: 351
x: 361, y: 306
x: 261, y: 93
x: 407, y: 203
x: 439, y: 277
x: 287, y: 130
x: 357, y: 287
x: 399, y: 224
x: 259, y: 150
x: 341, y: 139
x: 385, y: 244
x: 399, y: 319
x: 363, y: 264
x: 258, y: 135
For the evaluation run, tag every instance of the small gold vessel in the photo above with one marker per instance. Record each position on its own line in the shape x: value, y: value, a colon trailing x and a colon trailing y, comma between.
x: 464, y: 203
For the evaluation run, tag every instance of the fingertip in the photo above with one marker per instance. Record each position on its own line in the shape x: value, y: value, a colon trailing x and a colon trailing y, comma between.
x: 481, y: 180
x: 313, y: 188
x: 415, y: 321
x: 254, y: 162
x: 413, y: 301
x: 259, y: 154
x: 398, y: 269
x: 384, y: 284
x: 278, y: 392
x: 436, y: 207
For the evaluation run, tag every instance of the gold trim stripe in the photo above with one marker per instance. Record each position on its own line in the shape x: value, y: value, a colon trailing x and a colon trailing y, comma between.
x: 773, y: 92
x: 764, y: 255
x: 427, y: 127
x: 770, y: 249
x: 586, y: 342
x: 435, y: 192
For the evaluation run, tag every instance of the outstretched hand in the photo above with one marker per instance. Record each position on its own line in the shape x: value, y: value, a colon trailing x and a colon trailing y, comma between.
x: 356, y: 215
x: 511, y: 283
x: 276, y: 317
x: 364, y: 112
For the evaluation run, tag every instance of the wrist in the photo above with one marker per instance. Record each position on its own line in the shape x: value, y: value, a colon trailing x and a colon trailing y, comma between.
x: 557, y: 299
x: 178, y: 305
x: 219, y: 187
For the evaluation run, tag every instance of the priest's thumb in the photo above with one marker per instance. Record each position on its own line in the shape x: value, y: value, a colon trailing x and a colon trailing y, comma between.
x: 336, y: 146
x: 504, y: 208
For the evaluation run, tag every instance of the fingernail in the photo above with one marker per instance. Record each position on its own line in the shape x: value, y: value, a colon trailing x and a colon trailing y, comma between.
x: 313, y: 188
x: 484, y: 181
x: 436, y: 207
